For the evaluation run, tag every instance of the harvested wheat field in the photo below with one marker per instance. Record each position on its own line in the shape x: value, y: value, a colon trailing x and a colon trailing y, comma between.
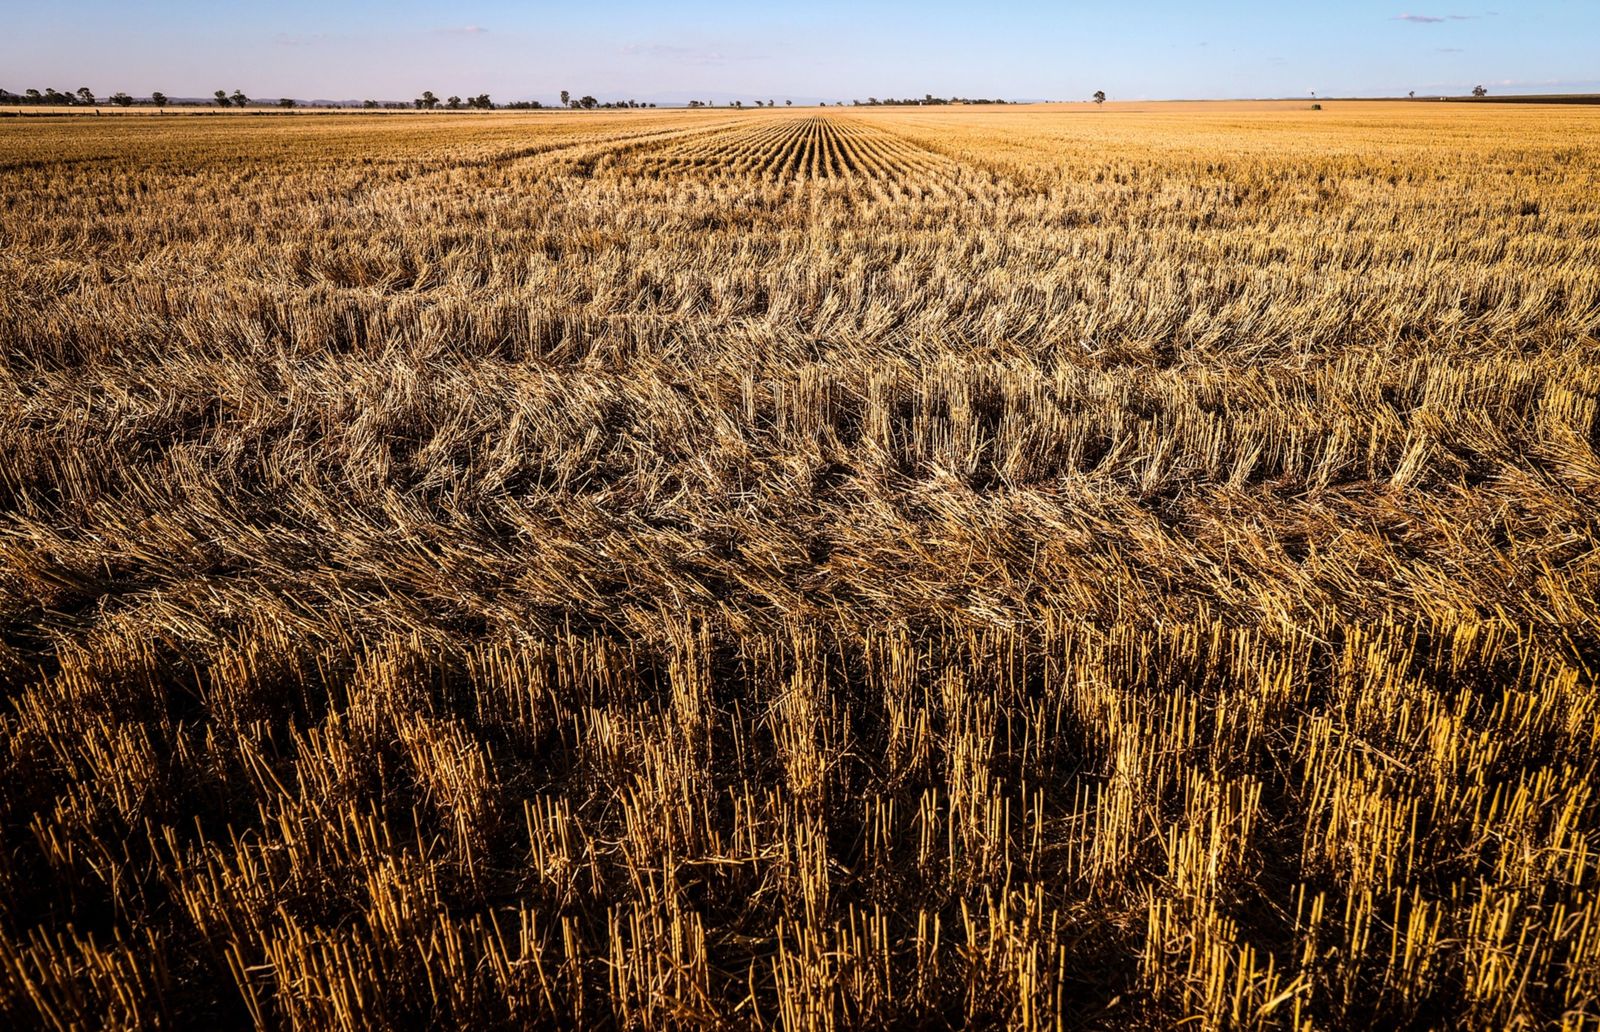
x: 811, y: 569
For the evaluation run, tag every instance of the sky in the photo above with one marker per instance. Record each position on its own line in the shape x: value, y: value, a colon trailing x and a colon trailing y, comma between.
x: 817, y: 49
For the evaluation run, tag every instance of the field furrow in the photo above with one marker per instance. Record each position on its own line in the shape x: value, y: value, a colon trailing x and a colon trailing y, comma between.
x: 801, y: 149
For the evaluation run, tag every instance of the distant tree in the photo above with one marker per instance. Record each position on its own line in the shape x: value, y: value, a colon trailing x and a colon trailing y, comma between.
x: 85, y: 95
x: 482, y: 102
x: 588, y: 103
x: 239, y: 99
x: 54, y: 96
x: 286, y: 102
x: 1099, y: 96
x: 121, y: 99
x: 1479, y: 91
x: 159, y: 99
x: 222, y: 98
x: 369, y: 104
x: 788, y: 103
x: 453, y: 103
x: 566, y: 98
x: 34, y: 96
x: 652, y: 105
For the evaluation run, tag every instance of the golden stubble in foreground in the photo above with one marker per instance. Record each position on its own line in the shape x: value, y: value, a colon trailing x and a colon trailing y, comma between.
x: 1030, y: 568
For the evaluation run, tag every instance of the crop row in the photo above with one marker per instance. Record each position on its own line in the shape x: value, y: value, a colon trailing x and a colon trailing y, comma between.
x: 811, y: 148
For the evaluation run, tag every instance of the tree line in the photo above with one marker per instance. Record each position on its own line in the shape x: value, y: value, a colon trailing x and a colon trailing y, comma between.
x: 588, y: 103
x: 925, y: 99
x: 83, y: 96
x: 429, y: 101
x: 735, y: 103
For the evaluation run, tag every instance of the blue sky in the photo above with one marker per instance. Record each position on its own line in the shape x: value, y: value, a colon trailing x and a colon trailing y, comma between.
x: 814, y: 49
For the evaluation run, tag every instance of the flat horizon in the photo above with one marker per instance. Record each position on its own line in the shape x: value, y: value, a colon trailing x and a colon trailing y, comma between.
x: 1241, y: 49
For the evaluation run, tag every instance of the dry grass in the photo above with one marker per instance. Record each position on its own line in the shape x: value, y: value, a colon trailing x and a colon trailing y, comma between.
x: 1069, y: 568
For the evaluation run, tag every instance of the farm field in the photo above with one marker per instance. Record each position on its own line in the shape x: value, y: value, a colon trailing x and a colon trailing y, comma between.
x: 1023, y: 568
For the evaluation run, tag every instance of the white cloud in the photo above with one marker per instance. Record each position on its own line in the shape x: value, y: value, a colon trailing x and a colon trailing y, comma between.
x: 1433, y: 19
